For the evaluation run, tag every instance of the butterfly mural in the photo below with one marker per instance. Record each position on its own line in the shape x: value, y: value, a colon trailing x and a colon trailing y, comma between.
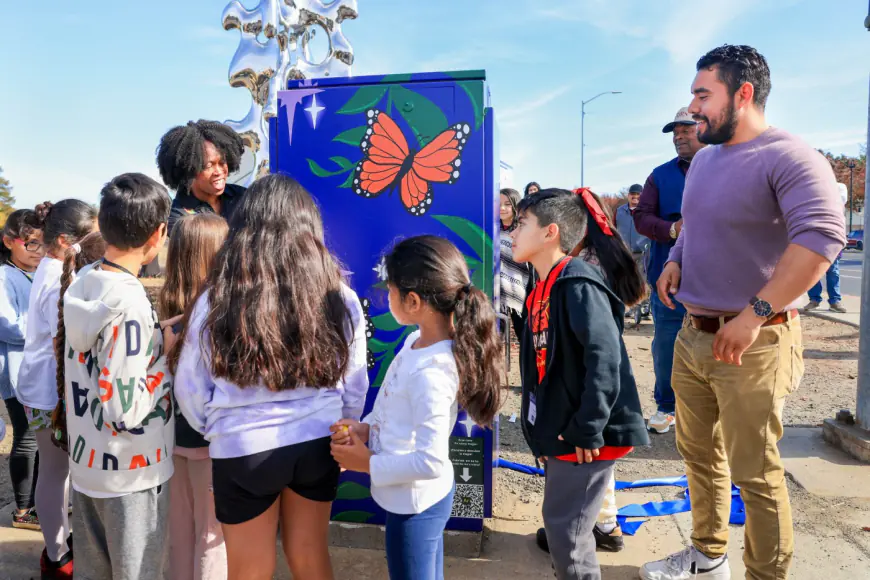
x: 388, y: 163
x: 370, y: 331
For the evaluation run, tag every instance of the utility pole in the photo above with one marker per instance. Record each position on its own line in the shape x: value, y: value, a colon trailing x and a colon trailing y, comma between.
x: 583, y: 131
x: 851, y: 175
x: 862, y: 414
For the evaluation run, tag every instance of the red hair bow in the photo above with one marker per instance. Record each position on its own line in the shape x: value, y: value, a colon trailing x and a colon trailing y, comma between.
x: 597, y: 213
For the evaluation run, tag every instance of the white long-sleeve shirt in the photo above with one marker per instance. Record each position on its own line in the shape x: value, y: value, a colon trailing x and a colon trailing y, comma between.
x: 243, y: 421
x: 411, y: 422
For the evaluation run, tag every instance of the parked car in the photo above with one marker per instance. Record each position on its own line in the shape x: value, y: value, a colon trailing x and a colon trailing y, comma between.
x: 855, y: 240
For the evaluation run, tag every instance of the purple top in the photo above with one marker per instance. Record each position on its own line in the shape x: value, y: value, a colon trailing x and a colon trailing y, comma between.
x: 742, y: 206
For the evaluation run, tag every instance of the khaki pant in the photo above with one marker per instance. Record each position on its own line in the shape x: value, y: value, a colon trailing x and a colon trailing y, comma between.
x: 732, y: 415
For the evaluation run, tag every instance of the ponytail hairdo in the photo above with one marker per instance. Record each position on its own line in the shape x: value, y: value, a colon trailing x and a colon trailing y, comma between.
x: 435, y: 270
x: 71, y: 219
x: 86, y: 251
x: 21, y: 224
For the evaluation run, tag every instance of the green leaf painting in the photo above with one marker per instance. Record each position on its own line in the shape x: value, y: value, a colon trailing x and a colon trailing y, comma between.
x: 348, y: 182
x: 365, y: 98
x: 352, y: 490
x: 402, y: 78
x: 423, y: 116
x: 386, y: 322
x: 354, y: 516
x: 474, y: 90
x: 479, y: 242
x: 351, y: 136
x: 376, y: 345
x: 343, y: 163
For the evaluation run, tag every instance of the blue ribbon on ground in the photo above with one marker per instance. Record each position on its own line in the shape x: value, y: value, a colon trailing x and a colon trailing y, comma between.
x: 649, y: 509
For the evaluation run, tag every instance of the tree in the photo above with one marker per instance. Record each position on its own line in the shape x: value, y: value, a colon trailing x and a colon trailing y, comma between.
x: 840, y: 165
x: 613, y: 201
x: 7, y: 201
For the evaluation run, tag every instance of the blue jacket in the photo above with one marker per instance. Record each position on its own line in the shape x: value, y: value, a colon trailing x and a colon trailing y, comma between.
x: 670, y: 181
x: 625, y: 224
x: 14, y: 300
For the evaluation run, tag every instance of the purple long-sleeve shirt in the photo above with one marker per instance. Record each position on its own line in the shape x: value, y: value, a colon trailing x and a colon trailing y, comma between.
x: 742, y: 206
x: 646, y: 214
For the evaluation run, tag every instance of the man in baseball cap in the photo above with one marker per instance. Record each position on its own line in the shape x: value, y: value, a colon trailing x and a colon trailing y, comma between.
x: 658, y: 217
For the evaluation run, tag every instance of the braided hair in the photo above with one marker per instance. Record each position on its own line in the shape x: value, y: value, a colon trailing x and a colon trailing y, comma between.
x: 87, y: 251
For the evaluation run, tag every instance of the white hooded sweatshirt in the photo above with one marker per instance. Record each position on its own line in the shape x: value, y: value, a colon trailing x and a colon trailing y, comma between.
x: 118, y: 402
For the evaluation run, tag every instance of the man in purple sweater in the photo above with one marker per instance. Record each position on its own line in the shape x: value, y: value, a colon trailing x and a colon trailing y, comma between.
x: 762, y: 223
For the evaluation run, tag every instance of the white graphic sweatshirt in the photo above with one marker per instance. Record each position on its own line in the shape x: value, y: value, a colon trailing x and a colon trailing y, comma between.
x: 119, y: 406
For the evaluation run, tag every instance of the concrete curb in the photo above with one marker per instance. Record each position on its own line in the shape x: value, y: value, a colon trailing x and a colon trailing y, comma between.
x: 831, y: 318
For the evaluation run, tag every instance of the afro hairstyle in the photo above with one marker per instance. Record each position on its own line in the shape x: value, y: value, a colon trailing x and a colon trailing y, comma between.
x: 180, y: 155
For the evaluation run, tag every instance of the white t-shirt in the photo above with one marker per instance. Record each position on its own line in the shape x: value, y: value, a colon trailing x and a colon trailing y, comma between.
x: 37, y: 378
x: 411, y: 422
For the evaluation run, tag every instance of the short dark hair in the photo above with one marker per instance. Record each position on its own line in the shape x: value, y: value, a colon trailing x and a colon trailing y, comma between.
x: 180, y: 156
x: 132, y: 207
x: 738, y: 64
x: 560, y: 207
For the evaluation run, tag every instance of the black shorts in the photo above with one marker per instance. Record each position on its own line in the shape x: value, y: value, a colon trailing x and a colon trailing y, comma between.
x: 245, y: 487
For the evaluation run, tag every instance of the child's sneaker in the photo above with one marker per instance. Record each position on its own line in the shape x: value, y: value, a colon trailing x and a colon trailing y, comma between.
x: 661, y: 422
x: 26, y: 521
x: 611, y: 541
x: 62, y: 570
x: 686, y: 565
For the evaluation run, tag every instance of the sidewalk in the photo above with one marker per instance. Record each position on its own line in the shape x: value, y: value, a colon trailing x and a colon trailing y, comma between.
x: 852, y: 317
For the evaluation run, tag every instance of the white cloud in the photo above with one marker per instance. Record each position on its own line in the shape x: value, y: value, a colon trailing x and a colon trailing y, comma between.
x: 510, y: 114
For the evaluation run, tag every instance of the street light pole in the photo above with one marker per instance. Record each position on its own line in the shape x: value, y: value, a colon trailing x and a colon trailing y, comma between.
x: 851, y: 207
x: 583, y: 131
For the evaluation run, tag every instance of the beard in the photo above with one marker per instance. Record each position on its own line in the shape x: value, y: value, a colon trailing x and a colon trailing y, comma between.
x: 722, y: 130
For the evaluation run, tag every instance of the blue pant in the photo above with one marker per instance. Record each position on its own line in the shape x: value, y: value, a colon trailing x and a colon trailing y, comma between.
x: 832, y: 279
x: 415, y: 542
x: 667, y: 324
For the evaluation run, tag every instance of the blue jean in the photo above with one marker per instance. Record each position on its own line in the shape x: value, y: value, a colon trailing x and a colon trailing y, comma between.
x: 832, y: 279
x: 667, y: 324
x: 415, y: 542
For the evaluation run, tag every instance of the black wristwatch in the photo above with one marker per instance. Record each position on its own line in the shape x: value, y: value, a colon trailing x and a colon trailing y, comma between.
x: 762, y: 308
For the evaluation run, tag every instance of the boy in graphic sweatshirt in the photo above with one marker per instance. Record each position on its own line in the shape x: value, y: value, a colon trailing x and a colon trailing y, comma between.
x: 118, y: 401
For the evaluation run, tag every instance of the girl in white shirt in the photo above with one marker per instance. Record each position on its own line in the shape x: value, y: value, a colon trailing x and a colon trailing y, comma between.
x: 409, y: 428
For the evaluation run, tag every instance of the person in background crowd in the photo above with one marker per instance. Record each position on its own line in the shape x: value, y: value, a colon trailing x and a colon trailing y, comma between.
x: 264, y: 382
x: 637, y: 244
x: 658, y: 217
x: 763, y: 221
x: 514, y: 277
x: 832, y: 277
x: 531, y: 188
x: 20, y: 254
x: 64, y: 225
x: 196, y: 550
x: 195, y: 161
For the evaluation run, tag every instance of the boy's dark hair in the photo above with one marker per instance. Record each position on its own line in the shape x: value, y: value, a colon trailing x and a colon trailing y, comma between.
x: 132, y: 207
x: 180, y: 155
x: 21, y: 224
x: 435, y: 270
x: 560, y: 207
x: 71, y: 218
x: 570, y: 213
x: 738, y: 64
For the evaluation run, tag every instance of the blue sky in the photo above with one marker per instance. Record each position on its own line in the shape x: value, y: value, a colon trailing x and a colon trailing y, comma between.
x: 89, y: 87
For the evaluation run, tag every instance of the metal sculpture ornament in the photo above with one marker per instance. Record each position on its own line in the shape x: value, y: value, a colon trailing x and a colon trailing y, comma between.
x: 275, y: 46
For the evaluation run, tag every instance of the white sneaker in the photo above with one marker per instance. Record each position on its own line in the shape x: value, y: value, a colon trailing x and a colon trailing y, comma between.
x: 661, y: 422
x: 687, y: 565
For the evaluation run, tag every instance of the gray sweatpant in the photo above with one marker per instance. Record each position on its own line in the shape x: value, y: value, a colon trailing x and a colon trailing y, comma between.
x: 122, y: 538
x: 573, y: 494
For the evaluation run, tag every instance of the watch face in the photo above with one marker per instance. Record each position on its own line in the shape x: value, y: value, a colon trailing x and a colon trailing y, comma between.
x: 762, y: 309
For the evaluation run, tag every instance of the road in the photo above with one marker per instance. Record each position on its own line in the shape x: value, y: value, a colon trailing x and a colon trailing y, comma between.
x: 851, y: 265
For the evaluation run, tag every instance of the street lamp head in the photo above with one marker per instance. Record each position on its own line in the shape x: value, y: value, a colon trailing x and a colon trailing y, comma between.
x: 615, y: 92
x: 851, y: 164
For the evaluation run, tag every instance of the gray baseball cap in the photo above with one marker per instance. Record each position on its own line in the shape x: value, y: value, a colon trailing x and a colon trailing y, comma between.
x: 683, y: 118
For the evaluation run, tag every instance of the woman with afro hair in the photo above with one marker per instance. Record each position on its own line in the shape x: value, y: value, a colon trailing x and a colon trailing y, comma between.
x: 195, y: 161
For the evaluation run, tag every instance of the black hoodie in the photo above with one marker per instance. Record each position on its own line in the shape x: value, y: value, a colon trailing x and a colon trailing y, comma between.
x: 588, y: 395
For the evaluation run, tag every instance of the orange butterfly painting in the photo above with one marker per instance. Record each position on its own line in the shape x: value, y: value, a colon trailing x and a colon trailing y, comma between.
x: 388, y: 163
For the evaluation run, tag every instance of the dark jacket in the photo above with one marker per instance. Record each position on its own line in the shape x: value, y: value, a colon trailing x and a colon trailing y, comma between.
x: 186, y: 204
x: 588, y: 395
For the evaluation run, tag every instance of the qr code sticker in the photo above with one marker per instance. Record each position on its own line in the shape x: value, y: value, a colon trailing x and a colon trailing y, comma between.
x: 468, y: 501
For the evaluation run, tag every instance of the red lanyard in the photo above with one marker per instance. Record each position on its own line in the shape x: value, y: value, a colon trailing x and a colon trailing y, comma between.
x: 546, y: 287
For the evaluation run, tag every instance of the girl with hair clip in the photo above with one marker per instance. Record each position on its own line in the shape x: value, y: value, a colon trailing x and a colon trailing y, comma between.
x: 452, y: 359
x: 63, y: 224
x: 196, y: 548
x: 20, y: 254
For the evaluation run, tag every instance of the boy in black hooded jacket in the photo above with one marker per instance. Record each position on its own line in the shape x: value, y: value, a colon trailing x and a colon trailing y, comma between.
x: 580, y: 408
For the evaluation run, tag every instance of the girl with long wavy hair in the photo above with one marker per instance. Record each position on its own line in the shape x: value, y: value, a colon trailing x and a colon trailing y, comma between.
x: 273, y: 353
x: 452, y: 359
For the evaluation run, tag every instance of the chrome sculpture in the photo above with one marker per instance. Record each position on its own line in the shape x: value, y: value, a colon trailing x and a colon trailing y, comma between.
x: 274, y: 47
